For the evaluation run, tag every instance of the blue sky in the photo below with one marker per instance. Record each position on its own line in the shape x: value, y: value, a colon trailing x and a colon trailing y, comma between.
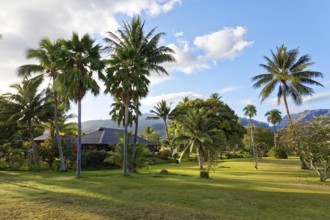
x: 219, y: 44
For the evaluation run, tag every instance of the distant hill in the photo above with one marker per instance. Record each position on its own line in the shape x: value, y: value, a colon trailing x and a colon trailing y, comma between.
x: 158, y: 125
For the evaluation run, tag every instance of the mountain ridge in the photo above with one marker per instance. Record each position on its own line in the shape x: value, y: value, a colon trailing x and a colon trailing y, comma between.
x: 158, y: 125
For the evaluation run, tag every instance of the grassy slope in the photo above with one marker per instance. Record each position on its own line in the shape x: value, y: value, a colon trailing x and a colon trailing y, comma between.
x: 278, y: 190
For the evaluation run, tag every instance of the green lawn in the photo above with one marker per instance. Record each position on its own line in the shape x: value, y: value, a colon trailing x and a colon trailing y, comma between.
x: 278, y: 190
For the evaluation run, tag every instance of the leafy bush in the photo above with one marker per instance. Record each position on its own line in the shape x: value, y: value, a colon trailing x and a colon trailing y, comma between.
x: 94, y: 160
x: 278, y: 153
x: 233, y: 155
x: 164, y: 152
x: 3, y: 164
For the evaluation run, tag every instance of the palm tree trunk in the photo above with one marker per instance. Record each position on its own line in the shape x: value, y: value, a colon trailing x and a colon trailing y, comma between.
x: 167, y: 135
x: 125, y: 171
x: 275, y: 144
x: 78, y: 170
x: 199, y: 158
x: 132, y: 168
x: 34, y: 150
x: 286, y: 103
x: 253, y: 147
x: 302, y: 161
x: 58, y: 138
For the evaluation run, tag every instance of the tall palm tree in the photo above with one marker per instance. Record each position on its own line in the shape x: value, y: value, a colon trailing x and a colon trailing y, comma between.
x: 162, y: 111
x: 47, y: 55
x: 27, y: 107
x: 200, y: 134
x: 80, y: 59
x: 251, y: 111
x: 288, y: 72
x: 133, y: 55
x: 274, y: 116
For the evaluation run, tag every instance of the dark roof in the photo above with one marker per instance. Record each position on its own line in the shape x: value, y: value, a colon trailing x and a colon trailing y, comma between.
x: 109, y: 136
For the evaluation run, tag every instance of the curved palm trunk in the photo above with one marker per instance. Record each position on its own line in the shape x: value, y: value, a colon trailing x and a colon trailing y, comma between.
x: 253, y: 146
x: 302, y: 161
x: 125, y: 170
x: 78, y: 170
x: 57, y: 133
x: 132, y: 167
x: 34, y: 150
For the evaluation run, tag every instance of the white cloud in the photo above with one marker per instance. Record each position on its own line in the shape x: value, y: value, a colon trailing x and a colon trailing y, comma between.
x: 227, y: 43
x: 156, y: 79
x: 317, y: 97
x: 173, y: 98
x: 228, y: 89
x: 247, y: 101
x: 24, y: 23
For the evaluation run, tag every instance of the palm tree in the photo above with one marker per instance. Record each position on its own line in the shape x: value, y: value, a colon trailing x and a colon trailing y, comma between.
x: 48, y: 55
x: 162, y: 111
x: 80, y: 59
x: 250, y: 111
x: 133, y: 55
x: 199, y: 133
x: 215, y: 96
x: 288, y: 72
x: 27, y: 106
x: 274, y: 117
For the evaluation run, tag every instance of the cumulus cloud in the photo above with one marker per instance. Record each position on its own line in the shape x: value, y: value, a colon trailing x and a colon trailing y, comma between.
x: 24, y: 23
x: 226, y: 43
x: 317, y: 97
x: 173, y: 98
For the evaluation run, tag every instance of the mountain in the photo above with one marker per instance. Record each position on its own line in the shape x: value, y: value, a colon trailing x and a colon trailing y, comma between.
x: 158, y: 125
x: 305, y: 116
x: 246, y: 122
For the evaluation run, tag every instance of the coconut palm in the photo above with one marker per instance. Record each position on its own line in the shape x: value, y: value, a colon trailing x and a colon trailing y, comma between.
x: 80, y: 59
x: 133, y: 55
x: 162, y: 111
x: 47, y: 55
x: 199, y: 133
x: 274, y: 117
x: 251, y: 111
x: 215, y: 96
x: 27, y: 107
x: 288, y: 72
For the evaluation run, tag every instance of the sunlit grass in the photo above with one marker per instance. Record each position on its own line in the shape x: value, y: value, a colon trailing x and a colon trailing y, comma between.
x: 278, y: 190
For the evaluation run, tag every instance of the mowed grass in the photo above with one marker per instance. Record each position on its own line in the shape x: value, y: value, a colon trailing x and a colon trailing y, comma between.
x: 278, y: 190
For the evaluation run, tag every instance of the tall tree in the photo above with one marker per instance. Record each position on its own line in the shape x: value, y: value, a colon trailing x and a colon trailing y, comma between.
x: 288, y: 72
x: 251, y: 111
x: 47, y: 55
x: 274, y: 117
x: 162, y: 111
x: 27, y: 107
x: 80, y: 59
x: 133, y: 54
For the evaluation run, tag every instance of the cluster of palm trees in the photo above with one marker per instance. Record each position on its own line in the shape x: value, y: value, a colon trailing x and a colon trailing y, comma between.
x: 70, y: 64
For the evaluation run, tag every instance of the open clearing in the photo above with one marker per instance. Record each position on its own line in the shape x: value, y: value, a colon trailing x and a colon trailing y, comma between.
x: 278, y: 190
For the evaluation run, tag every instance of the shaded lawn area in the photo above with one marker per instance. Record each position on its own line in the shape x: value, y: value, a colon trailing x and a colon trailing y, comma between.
x: 278, y: 190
